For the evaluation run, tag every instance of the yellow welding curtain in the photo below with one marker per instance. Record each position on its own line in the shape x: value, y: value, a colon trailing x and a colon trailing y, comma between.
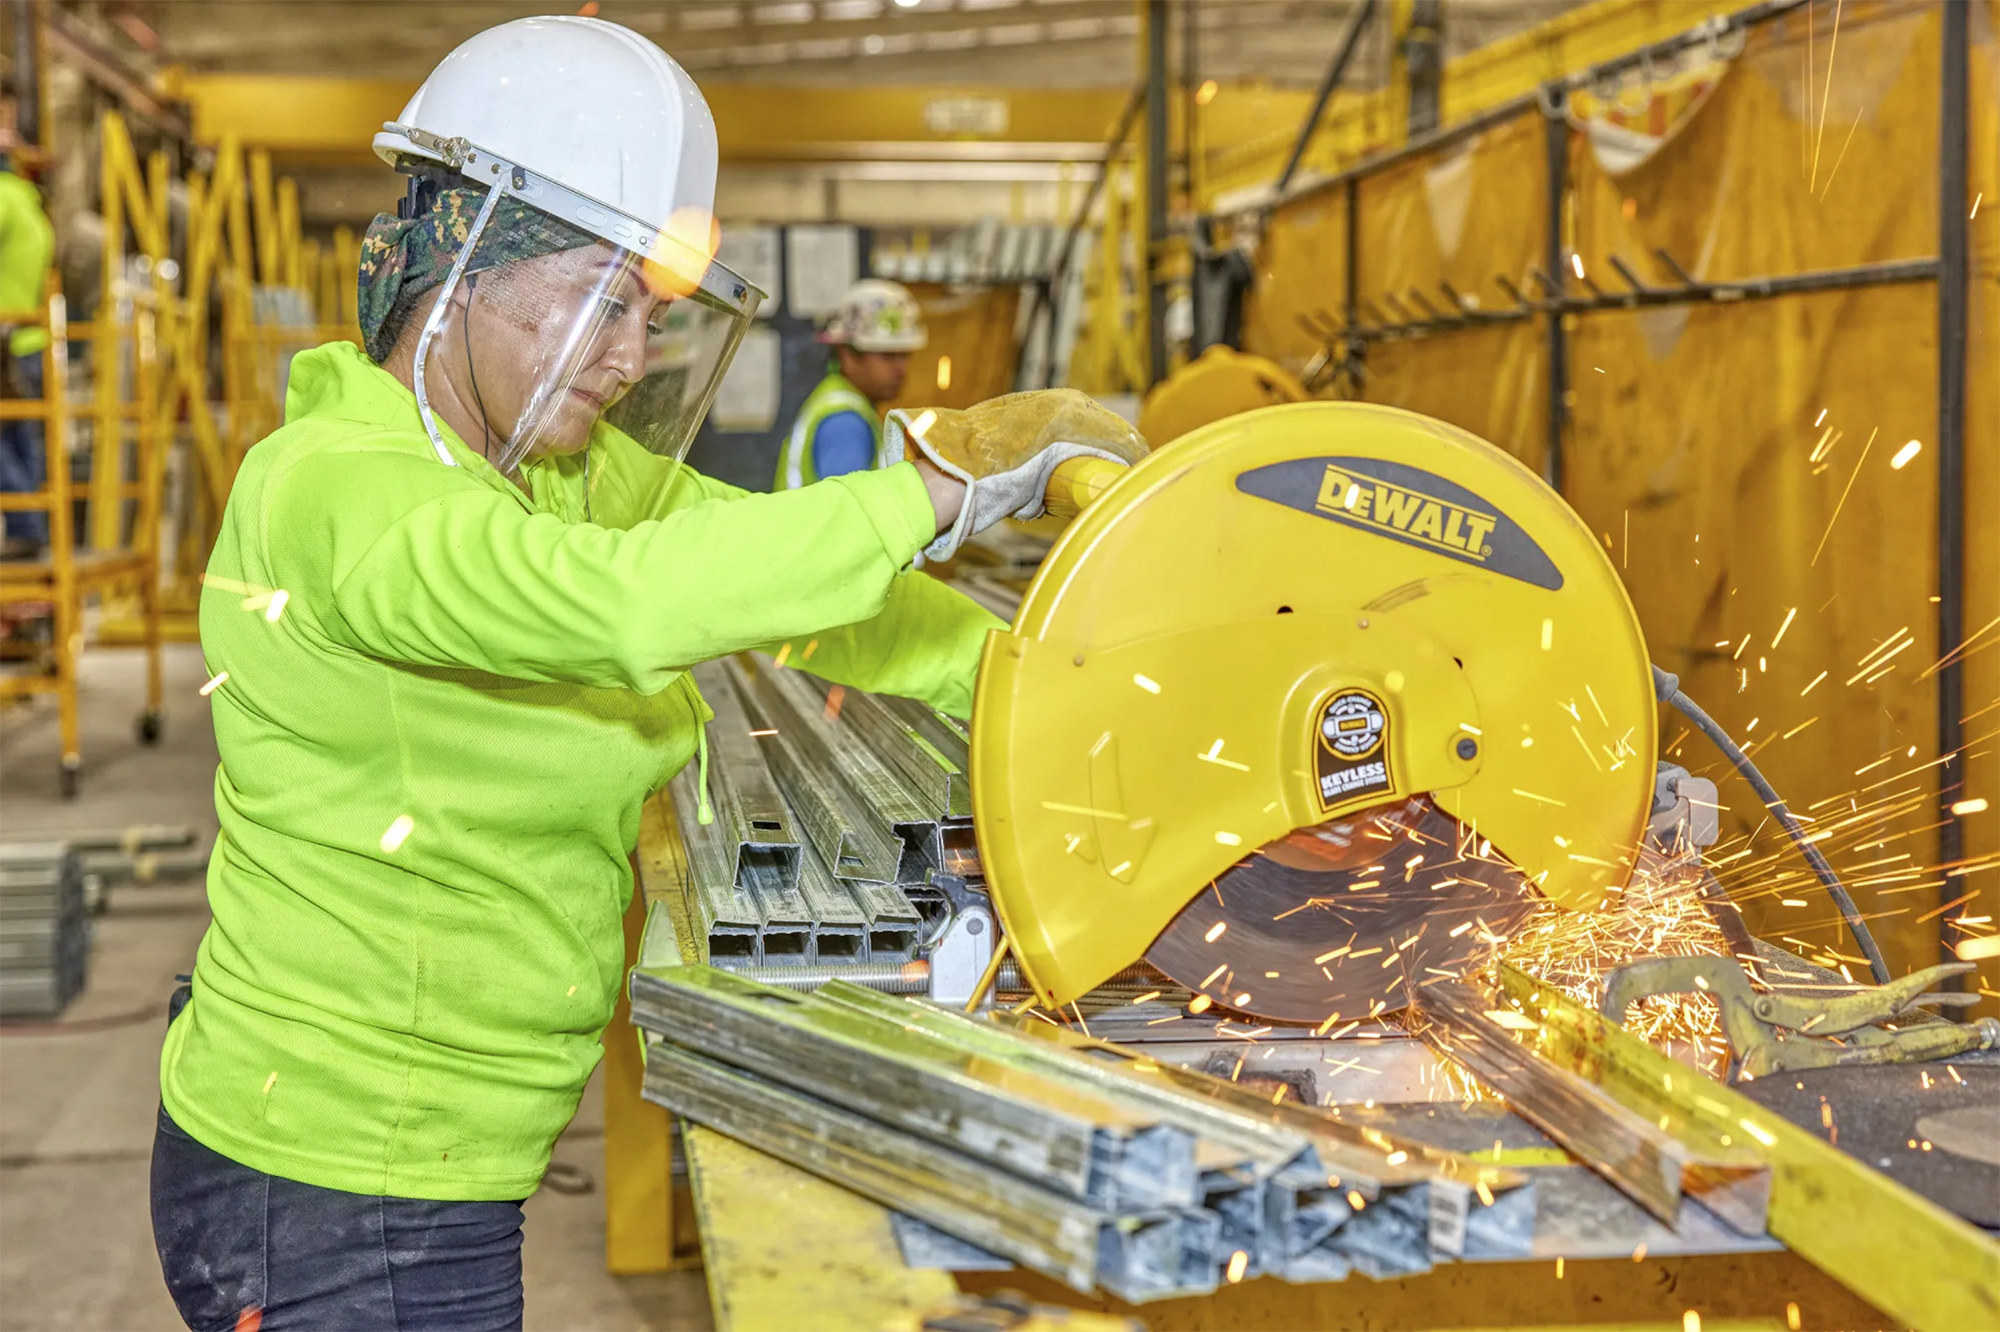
x: 971, y: 330
x: 1750, y: 464
x: 1460, y: 220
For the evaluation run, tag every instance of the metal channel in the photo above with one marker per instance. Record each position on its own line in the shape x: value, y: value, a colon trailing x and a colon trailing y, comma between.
x: 882, y: 793
x: 784, y: 918
x: 1287, y: 1207
x: 1070, y: 1140
x: 958, y: 849
x: 1035, y: 1227
x: 1241, y: 1152
x: 44, y: 929
x: 1359, y: 1155
x: 895, y: 928
x: 747, y: 801
x: 853, y: 844
x: 840, y: 924
x: 946, y: 733
x: 937, y: 779
x: 726, y: 912
x: 1647, y: 1163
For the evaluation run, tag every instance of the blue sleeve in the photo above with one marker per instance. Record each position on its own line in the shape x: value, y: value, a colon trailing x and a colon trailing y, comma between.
x: 843, y: 443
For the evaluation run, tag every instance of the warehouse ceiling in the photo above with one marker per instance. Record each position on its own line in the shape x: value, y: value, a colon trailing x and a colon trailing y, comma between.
x: 1026, y: 43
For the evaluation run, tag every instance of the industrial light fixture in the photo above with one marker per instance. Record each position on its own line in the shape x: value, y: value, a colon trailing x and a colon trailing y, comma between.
x: 908, y: 4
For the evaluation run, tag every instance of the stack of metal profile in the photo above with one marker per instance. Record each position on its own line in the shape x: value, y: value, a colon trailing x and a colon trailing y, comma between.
x: 44, y: 928
x: 1102, y: 1172
x: 832, y: 811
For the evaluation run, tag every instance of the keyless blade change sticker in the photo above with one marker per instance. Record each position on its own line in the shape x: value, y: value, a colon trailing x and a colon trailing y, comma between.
x: 1352, y: 749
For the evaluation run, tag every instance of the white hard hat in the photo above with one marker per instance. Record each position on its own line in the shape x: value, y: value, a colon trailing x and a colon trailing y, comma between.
x: 592, y: 125
x: 587, y: 104
x: 878, y: 316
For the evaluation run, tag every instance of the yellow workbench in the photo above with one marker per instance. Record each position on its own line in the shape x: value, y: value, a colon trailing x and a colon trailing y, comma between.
x: 784, y: 1250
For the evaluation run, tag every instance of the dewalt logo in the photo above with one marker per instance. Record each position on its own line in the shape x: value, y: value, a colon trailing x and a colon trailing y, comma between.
x: 1371, y: 502
x: 1398, y: 502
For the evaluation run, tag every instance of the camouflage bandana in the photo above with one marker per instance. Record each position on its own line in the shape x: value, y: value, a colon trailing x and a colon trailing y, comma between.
x: 407, y: 256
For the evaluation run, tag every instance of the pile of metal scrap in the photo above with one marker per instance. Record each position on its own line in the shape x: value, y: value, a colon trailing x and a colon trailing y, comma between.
x: 44, y: 929
x: 1101, y: 1171
x: 841, y: 834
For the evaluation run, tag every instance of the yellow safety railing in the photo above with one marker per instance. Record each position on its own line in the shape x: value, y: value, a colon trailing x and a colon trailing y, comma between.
x: 122, y: 557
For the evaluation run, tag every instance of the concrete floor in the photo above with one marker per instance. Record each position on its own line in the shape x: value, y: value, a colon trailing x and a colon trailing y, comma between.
x: 77, y: 1100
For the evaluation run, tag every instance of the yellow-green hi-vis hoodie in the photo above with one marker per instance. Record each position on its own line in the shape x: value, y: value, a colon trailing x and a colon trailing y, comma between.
x: 445, y: 703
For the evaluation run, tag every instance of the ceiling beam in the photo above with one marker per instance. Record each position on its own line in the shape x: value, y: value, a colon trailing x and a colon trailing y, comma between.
x: 332, y: 120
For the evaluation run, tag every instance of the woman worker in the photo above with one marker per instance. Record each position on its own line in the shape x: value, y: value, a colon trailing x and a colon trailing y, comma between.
x: 450, y: 614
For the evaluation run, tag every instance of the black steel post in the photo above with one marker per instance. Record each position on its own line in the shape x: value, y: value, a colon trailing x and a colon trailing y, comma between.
x: 27, y: 79
x: 1556, y: 132
x: 1354, y: 345
x: 1423, y: 58
x: 1198, y: 290
x: 1335, y: 71
x: 1954, y: 112
x: 1156, y: 189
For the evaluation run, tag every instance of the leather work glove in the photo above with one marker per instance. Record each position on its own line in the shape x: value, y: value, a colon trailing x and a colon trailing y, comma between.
x: 1005, y: 450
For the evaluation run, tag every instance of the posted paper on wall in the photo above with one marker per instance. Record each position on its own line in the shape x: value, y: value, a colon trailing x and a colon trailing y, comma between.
x: 752, y: 252
x: 747, y: 399
x: 821, y: 262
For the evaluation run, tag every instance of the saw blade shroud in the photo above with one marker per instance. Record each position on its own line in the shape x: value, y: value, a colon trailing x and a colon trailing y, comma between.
x: 1283, y: 619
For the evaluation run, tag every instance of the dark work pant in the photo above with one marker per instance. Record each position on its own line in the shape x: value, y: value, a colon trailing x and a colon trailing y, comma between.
x: 243, y: 1249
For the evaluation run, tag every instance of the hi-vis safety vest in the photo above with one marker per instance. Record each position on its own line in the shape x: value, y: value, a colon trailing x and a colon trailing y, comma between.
x: 829, y: 397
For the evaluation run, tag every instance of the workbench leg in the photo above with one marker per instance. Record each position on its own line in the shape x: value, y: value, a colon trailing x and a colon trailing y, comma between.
x: 638, y: 1147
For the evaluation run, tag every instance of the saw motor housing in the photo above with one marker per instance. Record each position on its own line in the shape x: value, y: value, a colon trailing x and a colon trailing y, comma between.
x: 1283, y: 618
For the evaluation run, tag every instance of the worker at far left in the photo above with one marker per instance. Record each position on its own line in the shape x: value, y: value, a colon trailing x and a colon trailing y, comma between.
x: 449, y: 618
x: 839, y: 426
x: 27, y: 251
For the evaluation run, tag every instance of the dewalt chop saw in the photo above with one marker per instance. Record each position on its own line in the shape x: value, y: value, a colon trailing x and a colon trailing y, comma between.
x: 1304, y: 708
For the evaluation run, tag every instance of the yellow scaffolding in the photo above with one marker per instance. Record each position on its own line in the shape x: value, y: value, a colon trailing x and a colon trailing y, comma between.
x: 122, y: 558
x: 243, y: 239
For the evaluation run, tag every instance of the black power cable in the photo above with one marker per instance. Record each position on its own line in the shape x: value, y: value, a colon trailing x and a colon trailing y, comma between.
x: 1668, y: 689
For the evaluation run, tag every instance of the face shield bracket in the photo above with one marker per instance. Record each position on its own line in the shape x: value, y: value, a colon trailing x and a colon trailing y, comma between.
x: 718, y: 287
x: 493, y: 172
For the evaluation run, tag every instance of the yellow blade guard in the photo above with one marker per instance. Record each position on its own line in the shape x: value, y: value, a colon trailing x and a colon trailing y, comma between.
x: 1287, y: 616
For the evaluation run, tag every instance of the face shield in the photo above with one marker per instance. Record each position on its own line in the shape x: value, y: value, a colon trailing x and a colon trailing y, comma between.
x: 558, y: 312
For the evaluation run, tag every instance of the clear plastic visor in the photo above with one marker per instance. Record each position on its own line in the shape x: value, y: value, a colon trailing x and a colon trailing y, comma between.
x: 526, y: 348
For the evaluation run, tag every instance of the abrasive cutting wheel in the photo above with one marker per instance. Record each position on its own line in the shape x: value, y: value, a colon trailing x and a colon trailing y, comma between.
x: 1335, y: 921
x: 1275, y: 625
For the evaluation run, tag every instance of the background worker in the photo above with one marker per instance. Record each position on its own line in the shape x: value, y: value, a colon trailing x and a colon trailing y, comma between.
x: 449, y: 615
x: 872, y: 335
x: 27, y: 249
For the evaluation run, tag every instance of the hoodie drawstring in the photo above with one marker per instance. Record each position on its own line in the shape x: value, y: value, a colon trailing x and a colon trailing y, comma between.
x: 704, y: 813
